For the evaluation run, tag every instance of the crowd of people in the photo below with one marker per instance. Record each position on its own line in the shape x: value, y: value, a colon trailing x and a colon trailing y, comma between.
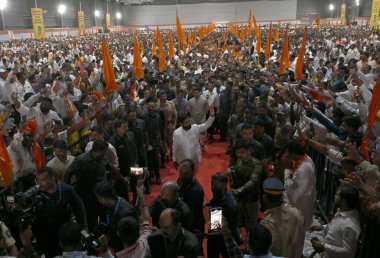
x: 86, y: 157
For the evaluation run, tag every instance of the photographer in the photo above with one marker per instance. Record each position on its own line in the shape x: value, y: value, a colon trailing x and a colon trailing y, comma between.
x: 116, y: 208
x: 54, y: 203
x: 72, y: 242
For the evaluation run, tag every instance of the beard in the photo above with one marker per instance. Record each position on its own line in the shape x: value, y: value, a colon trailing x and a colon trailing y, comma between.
x: 186, y: 128
x: 26, y: 143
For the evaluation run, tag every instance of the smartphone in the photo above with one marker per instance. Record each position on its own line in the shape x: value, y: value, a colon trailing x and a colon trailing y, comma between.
x: 216, y: 219
x: 137, y: 171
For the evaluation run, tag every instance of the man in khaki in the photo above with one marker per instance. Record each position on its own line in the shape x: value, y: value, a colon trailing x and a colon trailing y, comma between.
x: 284, y: 222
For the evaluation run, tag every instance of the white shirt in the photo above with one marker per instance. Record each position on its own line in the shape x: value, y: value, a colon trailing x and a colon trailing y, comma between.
x: 342, y: 234
x: 300, y: 189
x: 111, y: 153
x: 186, y: 143
x: 212, y: 98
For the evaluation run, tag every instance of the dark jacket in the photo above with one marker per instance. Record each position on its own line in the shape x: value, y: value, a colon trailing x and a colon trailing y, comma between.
x: 126, y: 151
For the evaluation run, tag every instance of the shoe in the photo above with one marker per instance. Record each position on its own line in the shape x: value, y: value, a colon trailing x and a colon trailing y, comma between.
x: 158, y: 181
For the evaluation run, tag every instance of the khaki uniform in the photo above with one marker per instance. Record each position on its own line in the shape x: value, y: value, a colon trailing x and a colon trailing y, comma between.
x: 248, y: 178
x: 286, y: 225
x: 170, y: 116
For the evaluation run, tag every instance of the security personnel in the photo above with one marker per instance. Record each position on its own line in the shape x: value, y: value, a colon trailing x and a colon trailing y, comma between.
x: 284, y: 222
x: 245, y: 184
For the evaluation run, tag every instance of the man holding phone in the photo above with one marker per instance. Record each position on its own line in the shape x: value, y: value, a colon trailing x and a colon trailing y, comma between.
x: 224, y: 202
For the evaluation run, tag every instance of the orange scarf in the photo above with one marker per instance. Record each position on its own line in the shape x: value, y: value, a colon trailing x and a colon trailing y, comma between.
x: 39, y: 156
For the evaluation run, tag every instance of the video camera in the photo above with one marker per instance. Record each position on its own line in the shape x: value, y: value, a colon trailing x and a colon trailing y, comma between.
x: 91, y: 240
x: 24, y: 205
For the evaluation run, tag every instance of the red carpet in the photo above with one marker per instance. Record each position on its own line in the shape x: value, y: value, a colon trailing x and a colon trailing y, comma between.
x: 214, y: 160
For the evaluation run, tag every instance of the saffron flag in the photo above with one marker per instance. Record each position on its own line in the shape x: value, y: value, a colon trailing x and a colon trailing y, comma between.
x: 161, y: 51
x: 171, y: 45
x: 258, y: 43
x: 318, y: 20
x: 256, y: 26
x: 154, y: 49
x: 108, y: 72
x: 137, y: 62
x: 179, y: 29
x: 285, y: 60
x: 6, y: 164
x: 276, y: 35
x: 301, y: 56
x: 250, y: 20
x: 268, y: 44
x: 374, y: 105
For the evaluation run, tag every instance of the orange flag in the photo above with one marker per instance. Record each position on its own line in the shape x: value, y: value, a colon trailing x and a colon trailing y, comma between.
x: 161, y: 51
x: 6, y: 164
x: 258, y: 43
x: 154, y: 49
x: 256, y: 26
x: 242, y: 35
x: 195, y: 36
x: 268, y: 44
x: 318, y: 20
x: 374, y: 105
x: 276, y: 35
x: 329, y: 23
x: 301, y: 55
x: 285, y: 60
x: 171, y: 45
x: 250, y: 20
x: 137, y: 62
x: 184, y: 43
x: 179, y: 29
x: 109, y: 74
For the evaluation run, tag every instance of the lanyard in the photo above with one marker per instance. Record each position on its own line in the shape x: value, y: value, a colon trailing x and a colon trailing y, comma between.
x: 117, y: 206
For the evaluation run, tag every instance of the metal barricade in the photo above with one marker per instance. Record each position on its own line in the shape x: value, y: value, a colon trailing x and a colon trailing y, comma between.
x: 327, y: 184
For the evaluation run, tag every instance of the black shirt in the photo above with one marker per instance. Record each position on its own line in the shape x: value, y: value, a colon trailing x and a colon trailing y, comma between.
x: 156, y: 128
x: 225, y: 105
x: 229, y: 210
x: 268, y: 144
x: 112, y: 217
x: 193, y: 195
x: 186, y: 245
x: 157, y: 207
x: 126, y: 151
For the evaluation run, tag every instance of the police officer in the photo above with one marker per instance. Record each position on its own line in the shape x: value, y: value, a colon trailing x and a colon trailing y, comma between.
x: 245, y: 180
x: 284, y: 222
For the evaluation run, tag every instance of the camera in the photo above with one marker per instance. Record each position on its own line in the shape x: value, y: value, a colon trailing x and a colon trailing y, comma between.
x: 24, y: 206
x: 91, y: 240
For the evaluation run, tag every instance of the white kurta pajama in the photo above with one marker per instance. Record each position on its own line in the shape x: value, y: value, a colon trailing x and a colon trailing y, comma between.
x: 300, y: 192
x: 186, y: 143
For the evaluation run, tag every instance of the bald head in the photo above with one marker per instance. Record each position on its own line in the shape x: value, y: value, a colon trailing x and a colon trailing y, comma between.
x: 170, y: 223
x: 170, y: 194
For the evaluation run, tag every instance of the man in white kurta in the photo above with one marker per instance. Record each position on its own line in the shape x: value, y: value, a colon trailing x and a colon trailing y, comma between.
x: 300, y: 184
x: 186, y: 140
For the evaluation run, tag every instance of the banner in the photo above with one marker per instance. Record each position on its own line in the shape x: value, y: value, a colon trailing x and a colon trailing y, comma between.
x: 81, y: 23
x: 108, y: 21
x: 343, y: 14
x: 375, y: 14
x: 38, y: 23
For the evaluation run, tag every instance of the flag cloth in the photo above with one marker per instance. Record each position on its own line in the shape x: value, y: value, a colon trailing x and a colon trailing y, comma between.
x: 258, y: 43
x: 285, y: 60
x: 154, y: 49
x: 39, y: 156
x: 268, y: 44
x: 256, y: 26
x: 276, y: 35
x: 137, y: 62
x: 250, y: 20
x: 301, y: 56
x: 161, y: 51
x: 171, y: 45
x: 184, y: 42
x: 108, y: 72
x: 318, y: 20
x: 179, y: 29
x: 6, y: 164
x: 374, y: 105
x: 364, y: 148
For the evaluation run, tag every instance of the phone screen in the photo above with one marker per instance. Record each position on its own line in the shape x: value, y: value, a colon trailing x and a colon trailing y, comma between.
x: 137, y: 171
x: 216, y: 219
